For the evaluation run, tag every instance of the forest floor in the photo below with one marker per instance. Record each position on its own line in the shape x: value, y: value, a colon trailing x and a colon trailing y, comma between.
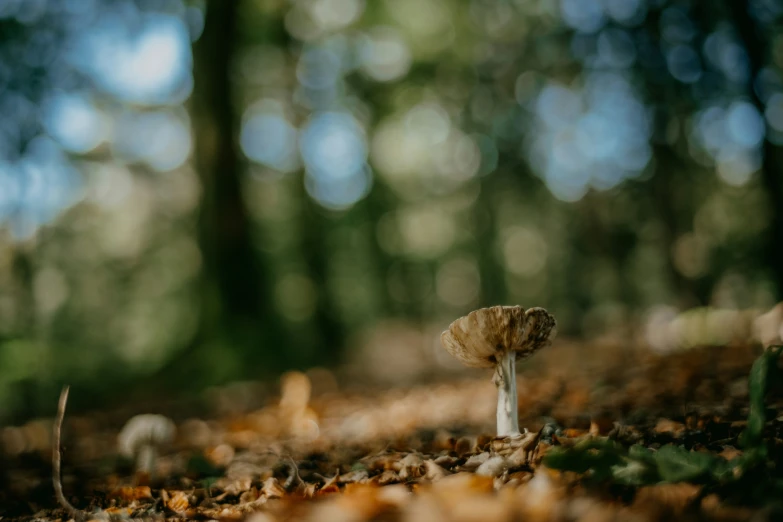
x: 612, y: 434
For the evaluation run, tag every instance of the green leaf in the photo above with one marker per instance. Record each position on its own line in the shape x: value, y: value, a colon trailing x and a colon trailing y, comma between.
x: 596, y: 455
x: 635, y: 473
x: 758, y: 382
x: 198, y: 465
x: 208, y: 482
x: 676, y: 464
x: 639, y: 452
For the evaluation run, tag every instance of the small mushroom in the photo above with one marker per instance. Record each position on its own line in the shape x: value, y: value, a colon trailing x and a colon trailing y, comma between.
x: 495, y: 338
x: 141, y: 437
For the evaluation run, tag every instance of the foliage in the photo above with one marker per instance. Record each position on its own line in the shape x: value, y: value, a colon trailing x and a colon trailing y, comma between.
x: 749, y: 477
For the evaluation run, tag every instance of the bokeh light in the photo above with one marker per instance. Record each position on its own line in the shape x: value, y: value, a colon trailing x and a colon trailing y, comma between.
x: 149, y: 66
x: 268, y: 137
x: 595, y: 136
x: 334, y: 152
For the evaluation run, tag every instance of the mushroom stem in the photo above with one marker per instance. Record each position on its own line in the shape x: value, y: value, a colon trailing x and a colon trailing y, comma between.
x: 506, y: 381
x: 145, y: 460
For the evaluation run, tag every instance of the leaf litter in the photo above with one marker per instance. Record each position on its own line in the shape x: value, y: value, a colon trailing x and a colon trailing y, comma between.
x: 663, y: 438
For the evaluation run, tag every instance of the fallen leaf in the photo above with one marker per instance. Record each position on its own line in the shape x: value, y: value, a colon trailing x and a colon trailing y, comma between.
x: 669, y: 426
x: 272, y: 488
x: 129, y: 494
x: 433, y: 472
x: 178, y: 502
x: 411, y: 467
x: 493, y: 467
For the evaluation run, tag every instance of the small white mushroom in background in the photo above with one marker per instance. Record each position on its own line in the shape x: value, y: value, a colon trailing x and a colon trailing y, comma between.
x: 495, y: 338
x: 141, y: 437
x: 768, y: 327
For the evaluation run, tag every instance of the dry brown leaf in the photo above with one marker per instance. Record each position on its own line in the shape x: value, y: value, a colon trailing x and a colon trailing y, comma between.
x: 730, y: 452
x: 424, y: 507
x: 483, y: 441
x: 387, y: 477
x: 462, y: 483
x: 480, y: 508
x: 177, y: 502
x: 493, y: 467
x: 395, y: 495
x: 411, y: 467
x: 465, y: 446
x: 223, y: 513
x: 446, y: 461
x: 233, y: 487
x: 524, y: 449
x: 272, y: 488
x: 669, y: 426
x: 433, y: 472
x: 119, y: 511
x: 539, y: 498
x: 383, y: 462
x: 129, y: 494
x: 360, y: 502
x: 307, y: 490
x: 714, y: 509
x: 357, y: 475
x: 249, y: 496
x: 519, y: 477
x: 674, y: 497
x: 475, y: 461
x: 590, y: 510
x: 443, y: 441
x: 260, y: 517
x: 328, y: 490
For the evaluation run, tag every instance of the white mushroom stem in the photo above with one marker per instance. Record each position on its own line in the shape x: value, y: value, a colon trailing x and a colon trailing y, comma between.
x: 506, y: 381
x: 145, y: 459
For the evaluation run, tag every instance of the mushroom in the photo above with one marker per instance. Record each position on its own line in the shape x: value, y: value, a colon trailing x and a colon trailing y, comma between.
x: 496, y: 337
x: 141, y: 436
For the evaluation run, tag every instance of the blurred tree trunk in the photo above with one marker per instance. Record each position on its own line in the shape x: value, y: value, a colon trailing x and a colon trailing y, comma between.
x: 316, y: 253
x: 230, y: 271
x: 772, y: 167
x: 234, y: 310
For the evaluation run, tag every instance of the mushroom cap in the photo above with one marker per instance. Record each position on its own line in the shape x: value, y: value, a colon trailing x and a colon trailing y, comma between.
x: 145, y: 429
x: 478, y: 338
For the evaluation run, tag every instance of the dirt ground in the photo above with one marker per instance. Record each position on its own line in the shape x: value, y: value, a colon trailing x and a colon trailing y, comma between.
x: 613, y: 433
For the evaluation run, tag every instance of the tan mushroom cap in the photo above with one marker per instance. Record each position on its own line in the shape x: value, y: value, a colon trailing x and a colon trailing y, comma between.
x: 479, y: 337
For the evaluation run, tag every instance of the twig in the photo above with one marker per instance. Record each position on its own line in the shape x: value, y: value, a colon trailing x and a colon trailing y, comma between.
x: 58, y: 485
x: 295, y: 475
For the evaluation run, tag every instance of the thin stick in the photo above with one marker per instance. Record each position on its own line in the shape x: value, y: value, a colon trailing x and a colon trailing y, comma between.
x: 290, y: 480
x: 58, y: 485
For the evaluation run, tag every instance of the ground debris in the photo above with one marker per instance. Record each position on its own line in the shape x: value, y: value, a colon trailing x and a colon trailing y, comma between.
x: 441, y: 463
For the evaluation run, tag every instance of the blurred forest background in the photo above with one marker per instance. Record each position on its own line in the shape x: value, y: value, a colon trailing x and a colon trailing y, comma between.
x: 198, y: 192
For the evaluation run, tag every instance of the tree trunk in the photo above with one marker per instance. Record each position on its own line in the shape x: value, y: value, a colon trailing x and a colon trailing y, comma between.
x: 772, y: 167
x: 234, y: 309
x: 230, y: 272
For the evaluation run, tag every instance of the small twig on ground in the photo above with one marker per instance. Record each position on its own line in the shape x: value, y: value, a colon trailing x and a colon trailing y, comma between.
x: 295, y: 475
x: 58, y: 485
